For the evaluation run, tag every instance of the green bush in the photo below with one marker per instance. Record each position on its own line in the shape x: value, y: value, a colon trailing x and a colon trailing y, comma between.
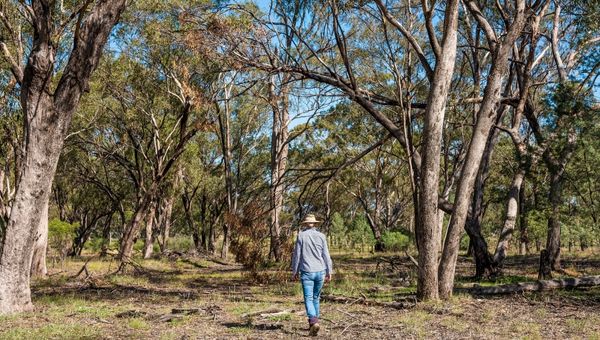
x: 60, y: 235
x: 395, y: 241
x: 464, y: 242
x: 360, y: 234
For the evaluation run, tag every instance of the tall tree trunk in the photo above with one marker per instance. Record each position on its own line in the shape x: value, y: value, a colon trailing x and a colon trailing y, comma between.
x: 149, y: 239
x: 38, y: 262
x: 279, y: 152
x: 165, y: 220
x: 47, y: 118
x: 485, y: 120
x: 166, y: 215
x: 427, y: 227
x: 225, y: 129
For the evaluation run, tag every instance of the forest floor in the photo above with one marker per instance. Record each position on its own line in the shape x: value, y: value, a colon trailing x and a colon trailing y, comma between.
x: 219, y: 296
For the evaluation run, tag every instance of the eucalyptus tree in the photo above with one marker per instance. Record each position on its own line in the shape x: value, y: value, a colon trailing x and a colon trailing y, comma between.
x: 10, y: 149
x: 569, y: 111
x: 328, y: 52
x: 49, y: 93
x: 150, y: 125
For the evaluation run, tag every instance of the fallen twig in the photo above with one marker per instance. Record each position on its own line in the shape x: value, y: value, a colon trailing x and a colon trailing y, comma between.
x: 84, y: 269
x: 345, y: 329
x: 344, y: 312
x: 266, y: 311
x: 412, y: 259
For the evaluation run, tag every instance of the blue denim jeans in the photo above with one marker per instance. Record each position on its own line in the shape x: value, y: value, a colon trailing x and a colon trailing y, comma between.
x: 311, y: 285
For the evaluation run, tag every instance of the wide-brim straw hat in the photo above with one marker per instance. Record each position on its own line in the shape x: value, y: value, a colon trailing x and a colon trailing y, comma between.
x: 310, y: 218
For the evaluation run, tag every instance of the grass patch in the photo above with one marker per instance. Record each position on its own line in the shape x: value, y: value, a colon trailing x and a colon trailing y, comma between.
x: 54, y: 331
x: 137, y: 323
x: 416, y: 322
x: 280, y: 318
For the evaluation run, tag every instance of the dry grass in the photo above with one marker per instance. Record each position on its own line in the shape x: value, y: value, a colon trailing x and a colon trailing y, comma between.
x: 90, y: 308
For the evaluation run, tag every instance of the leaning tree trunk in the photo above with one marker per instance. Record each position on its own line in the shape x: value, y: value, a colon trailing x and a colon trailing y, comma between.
x: 38, y: 261
x: 106, y: 236
x: 132, y: 230
x: 512, y: 207
x: 484, y: 265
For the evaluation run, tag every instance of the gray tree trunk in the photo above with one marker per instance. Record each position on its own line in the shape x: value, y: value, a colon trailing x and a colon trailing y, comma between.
x: 47, y: 120
x: 106, y: 236
x: 38, y: 261
x: 165, y: 219
x: 225, y: 129
x: 551, y: 260
x: 484, y: 265
x: 132, y: 230
x: 427, y: 228
x: 486, y: 118
x: 279, y: 152
x: 512, y: 208
x: 149, y: 239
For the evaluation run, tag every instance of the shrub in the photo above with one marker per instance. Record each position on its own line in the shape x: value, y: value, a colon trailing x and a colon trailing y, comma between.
x: 395, y: 241
x: 360, y: 233
x: 60, y: 236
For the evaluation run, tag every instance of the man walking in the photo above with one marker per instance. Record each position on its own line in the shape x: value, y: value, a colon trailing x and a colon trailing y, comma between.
x: 312, y: 263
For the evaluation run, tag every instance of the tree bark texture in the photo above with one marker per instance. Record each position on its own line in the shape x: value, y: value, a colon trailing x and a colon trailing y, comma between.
x: 484, y: 265
x: 149, y: 235
x: 132, y: 229
x: 551, y: 259
x: 427, y: 228
x: 512, y: 208
x: 164, y: 222
x: 106, y: 236
x: 485, y: 119
x: 279, y: 152
x: 40, y: 248
x: 47, y: 119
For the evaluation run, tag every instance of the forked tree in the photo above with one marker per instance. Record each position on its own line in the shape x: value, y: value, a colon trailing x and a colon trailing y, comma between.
x: 48, y: 100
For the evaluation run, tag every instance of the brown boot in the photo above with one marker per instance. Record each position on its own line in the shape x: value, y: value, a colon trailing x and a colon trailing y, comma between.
x: 314, y: 329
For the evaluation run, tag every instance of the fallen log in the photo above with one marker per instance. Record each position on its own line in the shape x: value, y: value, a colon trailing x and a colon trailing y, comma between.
x: 169, y: 318
x: 364, y: 301
x: 186, y: 311
x: 538, y: 286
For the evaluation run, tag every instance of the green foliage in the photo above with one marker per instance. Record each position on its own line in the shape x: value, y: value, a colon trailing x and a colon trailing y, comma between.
x: 538, y: 224
x: 395, y: 241
x: 60, y: 235
x: 360, y: 234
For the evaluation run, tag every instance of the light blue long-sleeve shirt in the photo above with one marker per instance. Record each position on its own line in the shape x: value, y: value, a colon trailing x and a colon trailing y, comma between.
x: 311, y: 253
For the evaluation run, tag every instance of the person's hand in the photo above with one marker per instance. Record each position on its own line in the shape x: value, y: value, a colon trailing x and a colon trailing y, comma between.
x: 295, y: 277
x: 327, y: 278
